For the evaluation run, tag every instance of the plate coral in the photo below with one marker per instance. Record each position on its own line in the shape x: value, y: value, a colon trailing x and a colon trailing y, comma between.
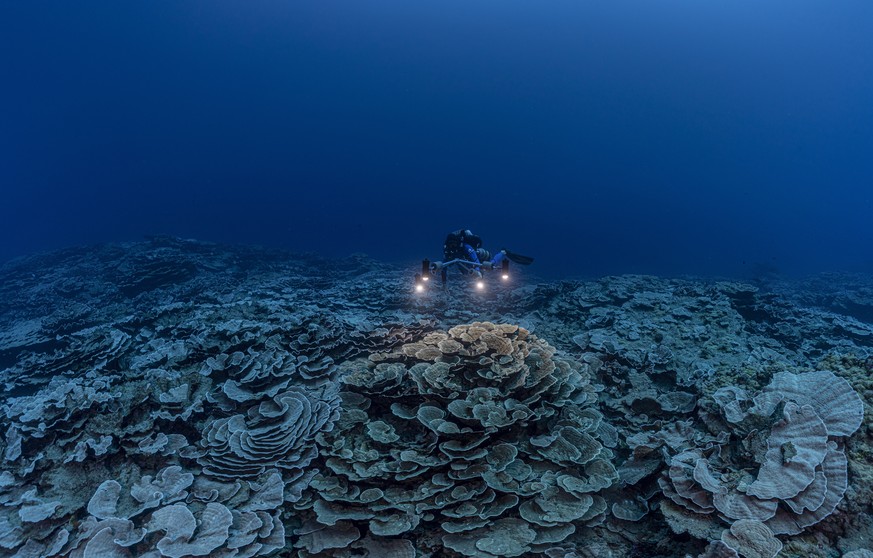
x: 172, y: 399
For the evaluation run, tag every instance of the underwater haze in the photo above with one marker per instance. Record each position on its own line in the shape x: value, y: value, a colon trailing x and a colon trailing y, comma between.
x: 677, y: 137
x: 220, y: 335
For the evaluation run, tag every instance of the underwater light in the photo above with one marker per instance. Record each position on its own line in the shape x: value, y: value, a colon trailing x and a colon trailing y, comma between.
x: 505, y: 276
x: 419, y: 288
x: 480, y: 285
x: 425, y: 278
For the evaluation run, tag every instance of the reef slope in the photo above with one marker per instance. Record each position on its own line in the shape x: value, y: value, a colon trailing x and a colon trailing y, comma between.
x: 174, y: 398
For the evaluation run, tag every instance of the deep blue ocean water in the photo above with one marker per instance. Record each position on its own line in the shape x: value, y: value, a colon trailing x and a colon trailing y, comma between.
x: 726, y: 138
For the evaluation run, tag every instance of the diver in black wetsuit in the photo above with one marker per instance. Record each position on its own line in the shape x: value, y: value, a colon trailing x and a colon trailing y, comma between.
x: 464, y: 245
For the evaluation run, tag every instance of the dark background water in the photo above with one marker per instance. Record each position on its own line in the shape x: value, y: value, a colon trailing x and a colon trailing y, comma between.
x: 600, y: 137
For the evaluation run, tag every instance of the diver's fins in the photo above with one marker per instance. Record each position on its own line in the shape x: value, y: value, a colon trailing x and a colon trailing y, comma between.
x: 518, y: 258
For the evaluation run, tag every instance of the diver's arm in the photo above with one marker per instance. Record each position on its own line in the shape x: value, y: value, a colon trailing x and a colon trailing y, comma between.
x: 471, y: 254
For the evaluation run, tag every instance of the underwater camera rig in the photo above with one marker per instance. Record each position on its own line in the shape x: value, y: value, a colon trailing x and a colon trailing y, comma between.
x: 430, y: 269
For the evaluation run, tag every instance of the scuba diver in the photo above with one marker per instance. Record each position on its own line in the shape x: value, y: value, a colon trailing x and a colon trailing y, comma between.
x: 466, y: 246
x: 463, y: 249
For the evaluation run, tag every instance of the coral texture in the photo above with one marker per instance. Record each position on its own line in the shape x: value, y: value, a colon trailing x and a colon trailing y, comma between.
x: 178, y: 398
x: 480, y: 437
x: 781, y: 467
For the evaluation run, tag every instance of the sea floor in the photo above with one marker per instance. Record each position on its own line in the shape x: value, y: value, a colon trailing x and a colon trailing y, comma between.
x: 174, y: 398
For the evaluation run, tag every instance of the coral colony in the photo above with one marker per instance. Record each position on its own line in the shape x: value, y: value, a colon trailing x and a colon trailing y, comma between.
x: 175, y: 398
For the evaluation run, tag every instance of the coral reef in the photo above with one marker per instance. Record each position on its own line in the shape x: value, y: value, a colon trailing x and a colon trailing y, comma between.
x: 480, y: 440
x: 174, y: 398
x: 779, y: 466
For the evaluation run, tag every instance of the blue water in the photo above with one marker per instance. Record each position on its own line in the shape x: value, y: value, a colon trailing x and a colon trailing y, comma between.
x: 600, y: 137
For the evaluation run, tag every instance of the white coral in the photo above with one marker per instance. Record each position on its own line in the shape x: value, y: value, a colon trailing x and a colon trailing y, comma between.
x: 801, y: 475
